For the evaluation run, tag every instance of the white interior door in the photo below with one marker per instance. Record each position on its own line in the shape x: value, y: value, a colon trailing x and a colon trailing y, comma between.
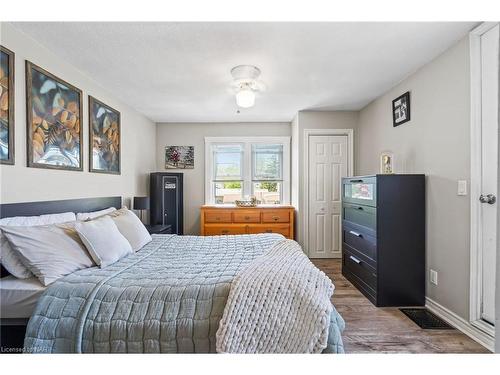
x: 327, y: 165
x: 489, y: 167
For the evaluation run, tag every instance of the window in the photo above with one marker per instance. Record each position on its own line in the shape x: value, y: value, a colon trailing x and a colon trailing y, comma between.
x: 237, y: 168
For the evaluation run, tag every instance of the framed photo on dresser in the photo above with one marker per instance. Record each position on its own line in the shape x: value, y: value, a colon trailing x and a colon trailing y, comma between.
x: 6, y: 106
x: 54, y: 113
x: 104, y: 138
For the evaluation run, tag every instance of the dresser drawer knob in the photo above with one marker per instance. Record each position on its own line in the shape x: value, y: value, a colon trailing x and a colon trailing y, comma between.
x: 247, y: 217
x: 269, y: 231
x: 225, y: 231
x: 356, y: 234
x: 354, y: 259
x: 276, y: 218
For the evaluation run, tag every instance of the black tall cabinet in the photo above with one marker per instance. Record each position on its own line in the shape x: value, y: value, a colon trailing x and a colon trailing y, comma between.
x: 383, y: 233
x: 166, y: 195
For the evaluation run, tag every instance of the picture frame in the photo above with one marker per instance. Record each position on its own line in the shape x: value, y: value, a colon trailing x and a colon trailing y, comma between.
x: 179, y: 157
x: 401, y: 110
x: 104, y: 138
x: 7, y: 106
x: 387, y: 162
x: 53, y: 121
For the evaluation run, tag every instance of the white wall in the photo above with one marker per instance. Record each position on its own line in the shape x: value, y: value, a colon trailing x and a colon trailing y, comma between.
x: 436, y: 142
x: 193, y: 134
x: 312, y: 120
x: 21, y: 184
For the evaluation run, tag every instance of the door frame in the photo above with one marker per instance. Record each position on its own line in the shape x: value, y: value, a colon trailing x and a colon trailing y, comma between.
x: 476, y: 270
x: 305, y: 183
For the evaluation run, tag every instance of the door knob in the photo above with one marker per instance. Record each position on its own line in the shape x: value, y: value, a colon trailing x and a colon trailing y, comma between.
x: 489, y: 198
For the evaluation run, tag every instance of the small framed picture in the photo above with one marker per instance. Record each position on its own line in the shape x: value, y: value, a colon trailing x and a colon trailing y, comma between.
x: 179, y: 157
x: 401, y: 109
x: 386, y: 162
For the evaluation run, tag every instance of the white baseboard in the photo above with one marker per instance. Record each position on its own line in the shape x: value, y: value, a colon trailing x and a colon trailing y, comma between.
x: 461, y: 324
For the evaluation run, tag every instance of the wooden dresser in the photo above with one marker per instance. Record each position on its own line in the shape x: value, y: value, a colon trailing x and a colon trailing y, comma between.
x: 220, y: 220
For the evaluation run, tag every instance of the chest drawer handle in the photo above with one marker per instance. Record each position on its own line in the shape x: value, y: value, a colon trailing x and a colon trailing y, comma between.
x: 269, y: 231
x: 356, y: 234
x: 225, y: 231
x: 217, y: 218
x: 354, y: 259
x: 276, y: 218
x: 247, y: 217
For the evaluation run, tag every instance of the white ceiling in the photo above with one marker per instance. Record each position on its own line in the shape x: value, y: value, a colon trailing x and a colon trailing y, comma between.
x: 180, y: 72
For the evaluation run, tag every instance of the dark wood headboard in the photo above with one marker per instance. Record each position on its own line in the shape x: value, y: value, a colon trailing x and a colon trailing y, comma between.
x: 57, y: 207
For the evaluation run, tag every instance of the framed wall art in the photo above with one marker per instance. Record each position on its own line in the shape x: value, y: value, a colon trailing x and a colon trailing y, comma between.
x: 6, y: 106
x: 179, y: 157
x: 401, y: 109
x: 54, y: 113
x: 104, y: 138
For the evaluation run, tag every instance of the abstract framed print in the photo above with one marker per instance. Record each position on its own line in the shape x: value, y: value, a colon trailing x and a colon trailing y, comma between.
x: 6, y: 106
x: 179, y: 157
x: 104, y: 138
x: 54, y: 113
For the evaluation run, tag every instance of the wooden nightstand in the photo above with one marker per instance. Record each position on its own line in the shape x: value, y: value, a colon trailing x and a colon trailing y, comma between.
x: 159, y: 229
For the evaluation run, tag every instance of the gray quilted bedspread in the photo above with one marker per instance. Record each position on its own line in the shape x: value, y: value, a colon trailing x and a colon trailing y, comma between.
x: 167, y: 298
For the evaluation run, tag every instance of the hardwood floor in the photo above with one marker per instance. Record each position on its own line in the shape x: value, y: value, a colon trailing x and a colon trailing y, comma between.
x: 386, y: 330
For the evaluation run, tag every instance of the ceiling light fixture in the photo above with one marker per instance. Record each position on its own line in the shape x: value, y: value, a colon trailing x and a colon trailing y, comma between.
x: 246, y: 84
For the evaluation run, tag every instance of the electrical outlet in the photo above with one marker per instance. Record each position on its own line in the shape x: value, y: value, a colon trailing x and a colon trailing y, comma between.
x: 434, y: 277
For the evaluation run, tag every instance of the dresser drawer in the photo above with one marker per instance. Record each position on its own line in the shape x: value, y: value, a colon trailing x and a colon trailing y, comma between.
x: 275, y: 216
x: 360, y: 190
x: 361, y: 269
x: 270, y: 228
x: 217, y: 230
x: 362, y: 215
x: 218, y: 216
x: 360, y: 239
x: 246, y: 216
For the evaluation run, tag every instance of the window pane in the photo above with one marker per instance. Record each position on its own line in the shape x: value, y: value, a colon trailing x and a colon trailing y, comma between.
x: 228, y: 191
x: 267, y: 161
x: 268, y: 192
x: 227, y: 162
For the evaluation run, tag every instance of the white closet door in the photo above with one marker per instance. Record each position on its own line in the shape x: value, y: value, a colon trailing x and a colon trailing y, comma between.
x: 489, y: 162
x: 327, y: 165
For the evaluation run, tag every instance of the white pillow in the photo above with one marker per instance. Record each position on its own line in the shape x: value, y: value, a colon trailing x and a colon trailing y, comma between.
x: 82, y: 216
x: 8, y: 257
x: 132, y: 228
x: 103, y: 240
x: 49, y: 251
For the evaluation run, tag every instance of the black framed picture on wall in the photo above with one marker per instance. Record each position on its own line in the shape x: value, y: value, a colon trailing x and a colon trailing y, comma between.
x: 401, y: 109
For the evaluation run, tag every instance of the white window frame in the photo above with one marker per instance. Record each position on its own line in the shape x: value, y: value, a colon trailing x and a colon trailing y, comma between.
x: 247, y: 163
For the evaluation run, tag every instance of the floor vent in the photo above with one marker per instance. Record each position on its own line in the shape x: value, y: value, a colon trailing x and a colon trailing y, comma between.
x: 425, y: 319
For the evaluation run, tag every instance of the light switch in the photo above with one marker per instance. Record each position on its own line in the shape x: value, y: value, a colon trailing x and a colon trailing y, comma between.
x: 433, y: 277
x: 462, y: 187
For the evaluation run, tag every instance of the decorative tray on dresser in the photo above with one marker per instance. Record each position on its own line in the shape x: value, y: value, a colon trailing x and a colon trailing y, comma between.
x: 383, y: 233
x: 230, y: 219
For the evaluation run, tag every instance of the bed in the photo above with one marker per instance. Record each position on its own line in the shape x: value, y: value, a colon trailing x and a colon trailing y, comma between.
x: 169, y: 297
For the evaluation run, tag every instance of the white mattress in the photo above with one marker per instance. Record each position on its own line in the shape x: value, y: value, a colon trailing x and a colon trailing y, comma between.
x: 18, y: 297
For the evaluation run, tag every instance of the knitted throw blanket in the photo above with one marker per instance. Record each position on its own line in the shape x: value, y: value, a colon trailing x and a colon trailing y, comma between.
x: 280, y: 303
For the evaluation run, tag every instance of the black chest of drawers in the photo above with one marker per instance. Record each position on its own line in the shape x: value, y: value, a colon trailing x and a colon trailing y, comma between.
x: 383, y: 235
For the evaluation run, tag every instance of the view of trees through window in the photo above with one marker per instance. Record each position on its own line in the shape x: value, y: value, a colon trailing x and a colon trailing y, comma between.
x: 266, y: 176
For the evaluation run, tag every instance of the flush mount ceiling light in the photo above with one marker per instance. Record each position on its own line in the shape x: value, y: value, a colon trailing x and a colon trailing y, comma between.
x: 246, y: 84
